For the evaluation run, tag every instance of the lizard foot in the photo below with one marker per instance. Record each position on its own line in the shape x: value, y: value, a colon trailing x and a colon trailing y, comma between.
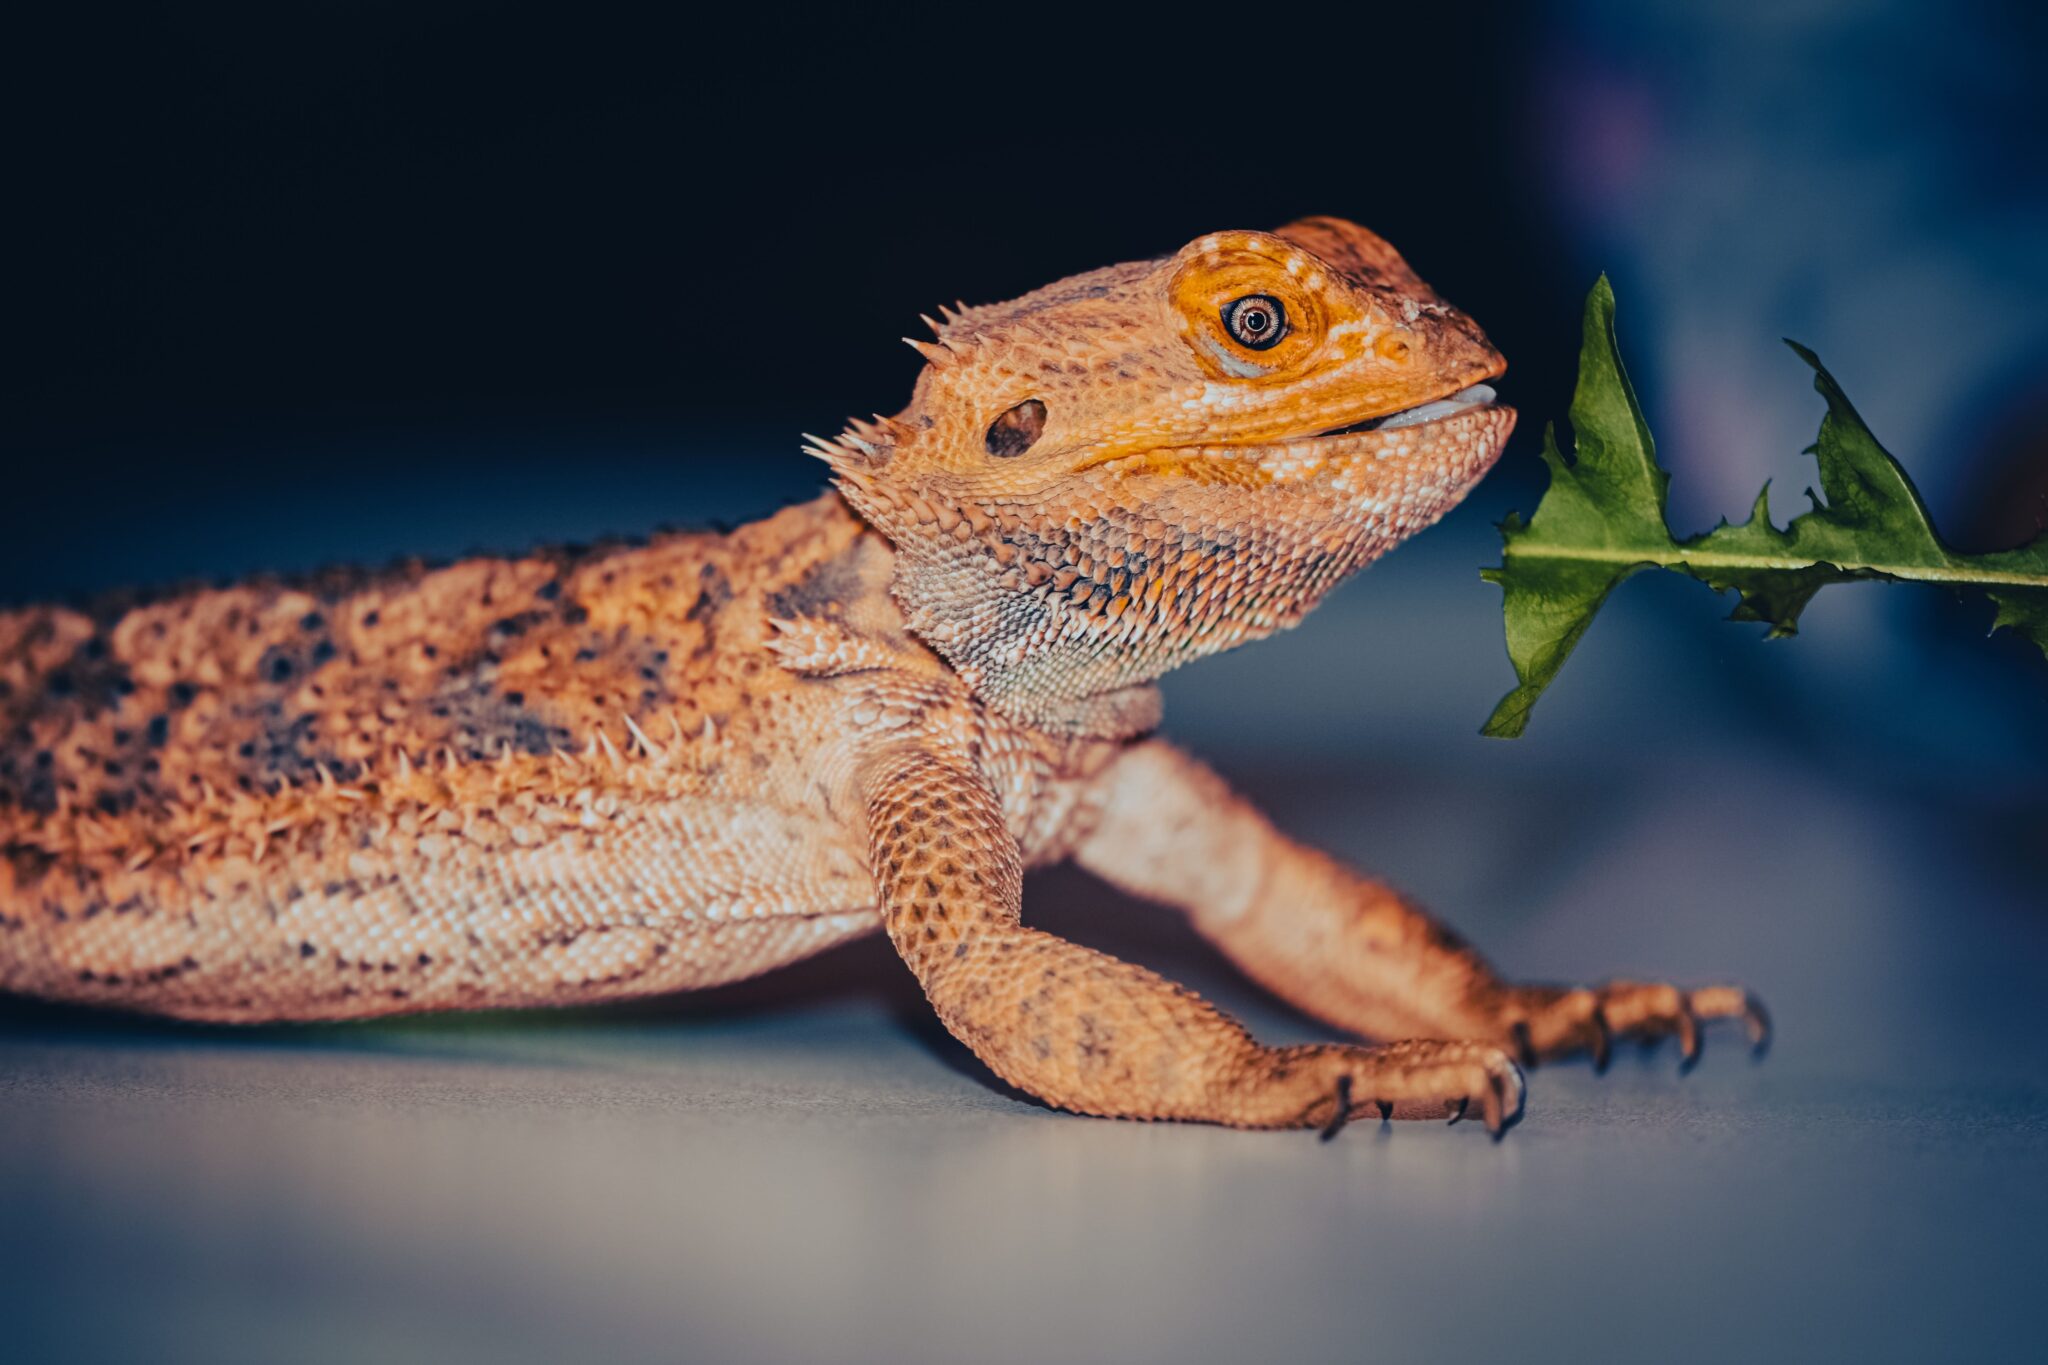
x: 1546, y: 1023
x: 1419, y: 1079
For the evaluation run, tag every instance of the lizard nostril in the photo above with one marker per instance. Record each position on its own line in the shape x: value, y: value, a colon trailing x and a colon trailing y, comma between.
x: 1017, y: 430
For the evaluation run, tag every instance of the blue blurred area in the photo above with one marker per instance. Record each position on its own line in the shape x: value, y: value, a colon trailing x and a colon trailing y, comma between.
x: 351, y: 283
x: 1851, y: 175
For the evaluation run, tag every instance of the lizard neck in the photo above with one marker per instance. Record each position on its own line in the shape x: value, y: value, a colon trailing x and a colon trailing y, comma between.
x: 1023, y: 655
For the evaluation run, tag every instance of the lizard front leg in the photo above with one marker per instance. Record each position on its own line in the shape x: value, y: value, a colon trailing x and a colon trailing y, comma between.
x: 1342, y: 946
x: 1084, y: 1031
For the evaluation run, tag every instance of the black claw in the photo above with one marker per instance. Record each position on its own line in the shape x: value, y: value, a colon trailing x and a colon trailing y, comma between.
x: 1507, y: 1120
x: 1525, y: 1049
x: 1464, y: 1103
x: 1386, y: 1111
x: 1603, y: 1041
x: 1343, y: 1114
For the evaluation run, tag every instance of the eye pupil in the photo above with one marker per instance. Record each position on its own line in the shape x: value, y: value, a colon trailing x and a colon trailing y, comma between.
x: 1256, y: 321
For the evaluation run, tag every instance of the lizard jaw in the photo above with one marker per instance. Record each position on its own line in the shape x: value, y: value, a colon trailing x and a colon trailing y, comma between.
x: 1462, y: 434
x: 1383, y: 435
x: 1474, y: 396
x: 1458, y: 438
x: 1415, y: 465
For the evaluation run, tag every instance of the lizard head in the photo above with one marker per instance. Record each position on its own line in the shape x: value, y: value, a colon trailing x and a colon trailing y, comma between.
x: 1158, y: 460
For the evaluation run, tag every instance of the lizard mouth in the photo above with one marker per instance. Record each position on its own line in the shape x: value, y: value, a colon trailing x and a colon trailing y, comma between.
x: 1436, y: 410
x: 1467, y: 428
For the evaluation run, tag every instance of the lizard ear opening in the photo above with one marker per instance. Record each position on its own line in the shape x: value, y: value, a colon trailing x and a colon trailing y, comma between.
x: 1017, y: 430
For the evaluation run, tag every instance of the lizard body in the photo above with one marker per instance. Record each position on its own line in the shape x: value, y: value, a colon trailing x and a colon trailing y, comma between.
x: 580, y: 776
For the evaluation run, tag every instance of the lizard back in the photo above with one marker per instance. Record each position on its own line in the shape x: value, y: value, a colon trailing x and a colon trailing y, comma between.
x: 238, y: 762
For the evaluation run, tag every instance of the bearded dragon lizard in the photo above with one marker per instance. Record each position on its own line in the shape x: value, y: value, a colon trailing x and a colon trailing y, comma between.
x: 584, y: 775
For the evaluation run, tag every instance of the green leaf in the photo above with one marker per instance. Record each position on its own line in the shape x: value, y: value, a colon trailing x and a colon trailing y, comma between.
x: 1603, y: 518
x: 2024, y: 610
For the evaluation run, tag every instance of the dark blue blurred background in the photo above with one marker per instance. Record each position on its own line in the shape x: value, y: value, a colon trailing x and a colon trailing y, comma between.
x: 298, y: 283
x: 295, y: 284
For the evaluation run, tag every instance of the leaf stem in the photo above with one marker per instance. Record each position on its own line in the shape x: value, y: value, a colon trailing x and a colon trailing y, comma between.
x: 1925, y: 573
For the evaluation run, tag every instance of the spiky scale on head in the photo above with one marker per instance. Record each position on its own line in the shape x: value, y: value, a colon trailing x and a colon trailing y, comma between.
x: 1148, y: 462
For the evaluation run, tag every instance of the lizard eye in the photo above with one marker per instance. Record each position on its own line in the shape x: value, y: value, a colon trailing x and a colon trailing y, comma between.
x: 1017, y: 430
x: 1256, y: 321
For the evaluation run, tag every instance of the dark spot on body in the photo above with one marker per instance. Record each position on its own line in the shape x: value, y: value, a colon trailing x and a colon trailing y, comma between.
x: 90, y: 681
x: 278, y: 664
x: 714, y: 590
x: 512, y: 627
x: 826, y: 589
x: 485, y: 721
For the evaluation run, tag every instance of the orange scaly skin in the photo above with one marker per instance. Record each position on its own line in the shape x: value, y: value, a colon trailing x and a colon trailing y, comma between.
x: 575, y: 777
